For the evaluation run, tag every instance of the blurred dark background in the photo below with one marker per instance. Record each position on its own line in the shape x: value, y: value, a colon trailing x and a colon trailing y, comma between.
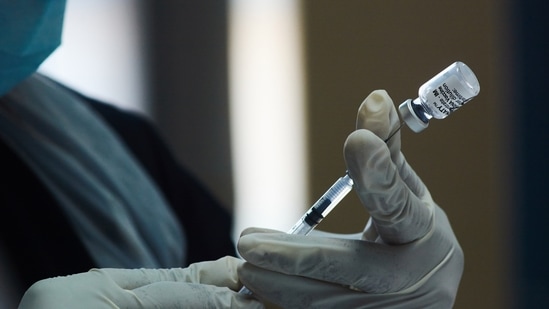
x: 486, y: 165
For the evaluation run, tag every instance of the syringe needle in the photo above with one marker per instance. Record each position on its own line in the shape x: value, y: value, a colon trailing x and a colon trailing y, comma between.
x: 394, y: 132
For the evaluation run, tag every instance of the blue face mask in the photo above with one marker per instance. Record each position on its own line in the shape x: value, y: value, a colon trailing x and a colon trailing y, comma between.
x: 30, y: 30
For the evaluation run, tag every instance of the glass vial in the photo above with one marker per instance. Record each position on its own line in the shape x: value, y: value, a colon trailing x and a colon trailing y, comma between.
x: 440, y: 96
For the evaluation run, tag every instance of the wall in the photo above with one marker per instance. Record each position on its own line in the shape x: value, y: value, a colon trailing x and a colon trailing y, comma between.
x: 354, y: 47
x: 187, y: 73
x: 530, y: 228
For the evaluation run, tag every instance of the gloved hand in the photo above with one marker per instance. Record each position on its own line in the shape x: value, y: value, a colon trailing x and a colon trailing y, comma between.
x: 201, y: 285
x: 406, y: 257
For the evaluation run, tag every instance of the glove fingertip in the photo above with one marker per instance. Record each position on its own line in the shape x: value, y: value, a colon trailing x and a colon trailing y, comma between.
x: 374, y: 113
x: 245, y: 244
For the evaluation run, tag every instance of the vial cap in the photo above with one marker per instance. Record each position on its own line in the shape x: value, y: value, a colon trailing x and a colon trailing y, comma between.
x: 409, y: 116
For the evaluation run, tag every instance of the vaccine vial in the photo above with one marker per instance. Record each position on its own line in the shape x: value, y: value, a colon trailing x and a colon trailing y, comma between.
x: 440, y: 96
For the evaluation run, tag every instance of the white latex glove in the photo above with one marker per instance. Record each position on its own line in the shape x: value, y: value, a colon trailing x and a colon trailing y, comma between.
x: 201, y: 285
x: 407, y: 256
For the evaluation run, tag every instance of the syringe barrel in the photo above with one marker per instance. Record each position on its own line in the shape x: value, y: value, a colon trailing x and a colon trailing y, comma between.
x: 301, y: 227
x: 333, y: 195
x: 323, y: 206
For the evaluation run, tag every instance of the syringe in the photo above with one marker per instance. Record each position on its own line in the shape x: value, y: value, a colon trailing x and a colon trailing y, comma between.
x: 438, y: 97
x: 327, y: 201
x: 323, y: 205
x: 319, y: 210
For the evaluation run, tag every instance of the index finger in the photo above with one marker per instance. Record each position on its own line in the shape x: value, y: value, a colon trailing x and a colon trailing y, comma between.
x: 378, y: 114
x: 398, y: 214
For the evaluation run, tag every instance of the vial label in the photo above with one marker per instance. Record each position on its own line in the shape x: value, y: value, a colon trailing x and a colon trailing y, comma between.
x: 447, y: 97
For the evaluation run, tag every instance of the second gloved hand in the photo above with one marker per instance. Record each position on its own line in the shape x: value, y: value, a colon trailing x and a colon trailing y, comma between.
x: 207, y: 285
x: 406, y: 257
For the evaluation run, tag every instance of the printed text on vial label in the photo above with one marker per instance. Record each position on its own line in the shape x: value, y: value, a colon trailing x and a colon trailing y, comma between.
x: 448, y: 99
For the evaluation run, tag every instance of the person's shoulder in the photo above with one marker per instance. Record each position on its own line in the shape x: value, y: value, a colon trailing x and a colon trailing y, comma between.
x: 118, y: 118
